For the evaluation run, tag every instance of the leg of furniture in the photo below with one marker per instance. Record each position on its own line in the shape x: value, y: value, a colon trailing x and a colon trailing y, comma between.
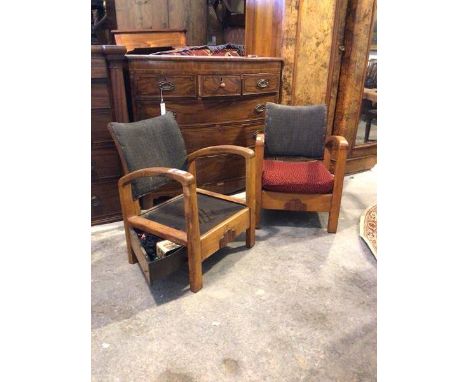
x: 193, y: 237
x: 368, y: 127
x: 341, y: 146
x: 250, y: 194
x: 259, y: 154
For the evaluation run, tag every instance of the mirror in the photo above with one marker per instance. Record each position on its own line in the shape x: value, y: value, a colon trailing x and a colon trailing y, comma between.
x: 367, y: 129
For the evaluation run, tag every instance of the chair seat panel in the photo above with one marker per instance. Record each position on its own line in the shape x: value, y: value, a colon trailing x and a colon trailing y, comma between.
x: 211, y: 212
x: 310, y: 177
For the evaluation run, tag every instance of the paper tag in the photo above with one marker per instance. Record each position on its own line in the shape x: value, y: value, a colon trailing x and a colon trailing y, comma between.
x: 163, y: 108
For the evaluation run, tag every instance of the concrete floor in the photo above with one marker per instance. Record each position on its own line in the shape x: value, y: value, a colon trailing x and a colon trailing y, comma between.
x: 299, y: 306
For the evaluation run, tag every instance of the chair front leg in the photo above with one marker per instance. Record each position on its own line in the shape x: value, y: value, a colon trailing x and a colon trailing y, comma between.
x: 193, y: 237
x: 250, y: 191
x: 342, y: 153
x: 259, y: 155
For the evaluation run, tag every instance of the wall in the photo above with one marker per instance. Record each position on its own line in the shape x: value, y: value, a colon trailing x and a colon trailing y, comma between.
x: 164, y: 14
x: 301, y: 32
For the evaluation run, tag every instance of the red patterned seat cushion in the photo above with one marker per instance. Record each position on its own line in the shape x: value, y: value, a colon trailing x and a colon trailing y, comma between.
x: 296, y: 177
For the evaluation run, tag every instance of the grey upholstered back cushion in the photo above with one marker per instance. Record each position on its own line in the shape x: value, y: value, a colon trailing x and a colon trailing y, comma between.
x: 154, y: 142
x: 295, y: 130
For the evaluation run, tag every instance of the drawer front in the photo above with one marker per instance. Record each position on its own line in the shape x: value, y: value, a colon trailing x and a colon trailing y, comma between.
x: 105, y: 164
x: 196, y: 137
x: 219, y: 168
x: 100, y: 95
x: 172, y: 86
x: 104, y: 199
x: 219, y: 85
x: 260, y: 83
x: 99, y: 120
x: 208, y: 110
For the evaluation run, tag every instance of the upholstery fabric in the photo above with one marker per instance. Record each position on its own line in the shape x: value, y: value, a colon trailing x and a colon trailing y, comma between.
x: 154, y: 142
x: 296, y: 177
x: 295, y: 130
x: 211, y: 212
x: 228, y: 50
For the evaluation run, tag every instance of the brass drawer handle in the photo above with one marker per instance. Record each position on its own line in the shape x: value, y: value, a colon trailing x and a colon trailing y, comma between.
x: 166, y: 86
x: 260, y: 108
x: 263, y: 83
x: 95, y: 202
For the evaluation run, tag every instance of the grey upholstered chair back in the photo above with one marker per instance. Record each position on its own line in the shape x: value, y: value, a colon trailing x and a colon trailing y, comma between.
x: 295, y: 130
x: 154, y: 142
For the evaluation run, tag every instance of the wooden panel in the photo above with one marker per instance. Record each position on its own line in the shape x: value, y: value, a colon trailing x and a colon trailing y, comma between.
x: 100, y: 97
x: 132, y: 39
x: 142, y: 14
x: 175, y: 86
x: 359, y: 21
x: 212, y: 240
x: 207, y: 110
x: 260, y: 83
x: 105, y: 164
x: 98, y: 67
x: 163, y: 14
x: 302, y: 202
x: 313, y: 51
x: 220, y: 85
x: 104, y: 199
x: 263, y: 27
x: 219, y: 168
x: 230, y: 133
x: 192, y: 16
x: 288, y: 49
x: 99, y: 120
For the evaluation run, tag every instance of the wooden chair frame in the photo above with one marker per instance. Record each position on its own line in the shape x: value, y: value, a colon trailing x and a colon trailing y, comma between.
x: 199, y: 247
x: 305, y: 202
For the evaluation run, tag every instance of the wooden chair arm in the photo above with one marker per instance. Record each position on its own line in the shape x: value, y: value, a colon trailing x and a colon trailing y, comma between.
x: 183, y: 177
x: 335, y: 142
x: 245, y: 152
x: 131, y: 209
x: 260, y: 140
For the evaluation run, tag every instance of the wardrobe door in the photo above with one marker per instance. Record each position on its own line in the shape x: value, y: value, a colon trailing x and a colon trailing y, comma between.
x: 355, y: 115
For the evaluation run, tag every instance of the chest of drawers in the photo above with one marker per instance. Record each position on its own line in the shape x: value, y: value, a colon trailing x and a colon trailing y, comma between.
x: 108, y: 103
x: 215, y: 100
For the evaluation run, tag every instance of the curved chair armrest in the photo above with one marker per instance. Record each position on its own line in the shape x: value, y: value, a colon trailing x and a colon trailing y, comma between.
x: 335, y: 142
x: 245, y: 152
x: 260, y: 139
x: 183, y: 177
x: 221, y: 149
x: 131, y: 209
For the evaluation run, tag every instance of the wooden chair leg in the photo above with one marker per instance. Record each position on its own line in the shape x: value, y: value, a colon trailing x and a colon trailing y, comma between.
x: 132, y: 259
x: 368, y: 127
x: 195, y: 268
x: 250, y: 236
x: 333, y: 216
x: 334, y: 212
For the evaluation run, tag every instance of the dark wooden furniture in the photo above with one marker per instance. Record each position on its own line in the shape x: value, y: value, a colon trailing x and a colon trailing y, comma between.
x: 108, y: 103
x: 327, y: 188
x: 216, y: 101
x: 200, y: 220
x: 150, y: 38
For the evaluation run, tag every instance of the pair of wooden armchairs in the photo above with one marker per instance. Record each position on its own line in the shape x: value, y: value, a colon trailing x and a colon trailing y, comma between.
x: 153, y: 153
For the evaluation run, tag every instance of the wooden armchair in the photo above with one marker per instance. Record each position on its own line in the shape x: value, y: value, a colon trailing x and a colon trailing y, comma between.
x: 288, y: 177
x: 200, y: 220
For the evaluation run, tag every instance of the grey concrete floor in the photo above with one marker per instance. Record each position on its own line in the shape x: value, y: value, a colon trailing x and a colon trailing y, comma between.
x: 299, y: 306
